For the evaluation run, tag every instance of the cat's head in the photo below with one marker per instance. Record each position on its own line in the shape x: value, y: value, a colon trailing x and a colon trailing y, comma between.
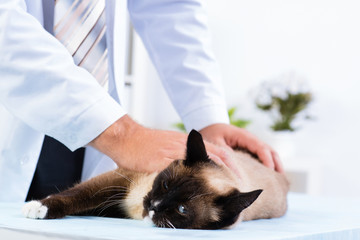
x: 196, y: 193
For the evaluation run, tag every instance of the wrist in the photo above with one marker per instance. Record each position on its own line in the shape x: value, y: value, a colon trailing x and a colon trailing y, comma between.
x: 114, y: 137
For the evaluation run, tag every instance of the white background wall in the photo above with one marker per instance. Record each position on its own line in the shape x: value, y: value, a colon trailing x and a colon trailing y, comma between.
x: 259, y: 40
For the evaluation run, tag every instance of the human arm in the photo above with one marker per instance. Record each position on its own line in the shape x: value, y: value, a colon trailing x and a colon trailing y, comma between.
x: 41, y: 85
x: 135, y: 147
x: 177, y: 37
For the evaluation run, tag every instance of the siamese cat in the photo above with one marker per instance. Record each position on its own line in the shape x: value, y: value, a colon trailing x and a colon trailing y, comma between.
x: 194, y: 193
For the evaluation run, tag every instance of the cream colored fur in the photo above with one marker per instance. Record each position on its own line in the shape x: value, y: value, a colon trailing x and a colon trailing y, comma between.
x: 133, y: 203
x: 253, y: 175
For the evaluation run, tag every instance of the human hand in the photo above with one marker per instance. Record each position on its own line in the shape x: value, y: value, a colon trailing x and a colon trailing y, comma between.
x: 135, y: 147
x: 229, y: 136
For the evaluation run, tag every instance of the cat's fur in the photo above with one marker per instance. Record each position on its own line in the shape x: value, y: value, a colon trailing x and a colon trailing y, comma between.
x: 192, y: 193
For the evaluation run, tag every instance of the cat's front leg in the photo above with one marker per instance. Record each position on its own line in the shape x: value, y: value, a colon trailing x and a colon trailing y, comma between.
x: 107, y: 188
x: 48, y: 208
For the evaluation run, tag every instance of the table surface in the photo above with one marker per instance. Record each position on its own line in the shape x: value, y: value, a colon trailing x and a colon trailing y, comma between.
x: 308, y: 218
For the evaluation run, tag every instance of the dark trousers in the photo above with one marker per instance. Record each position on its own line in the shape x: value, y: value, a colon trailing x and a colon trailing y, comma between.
x: 58, y: 168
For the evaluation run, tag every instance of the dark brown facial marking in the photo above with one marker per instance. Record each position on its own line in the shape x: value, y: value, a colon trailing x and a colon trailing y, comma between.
x: 181, y: 197
x: 231, y: 206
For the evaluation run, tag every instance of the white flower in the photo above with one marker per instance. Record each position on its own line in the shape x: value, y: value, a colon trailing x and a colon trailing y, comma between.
x: 264, y: 99
x: 278, y: 90
x: 295, y: 83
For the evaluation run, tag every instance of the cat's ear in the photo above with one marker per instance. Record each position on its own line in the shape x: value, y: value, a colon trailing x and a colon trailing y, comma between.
x: 232, y: 204
x: 195, y: 149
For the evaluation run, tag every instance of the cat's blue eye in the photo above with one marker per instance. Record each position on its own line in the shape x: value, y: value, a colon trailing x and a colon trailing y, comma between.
x: 182, y: 209
x: 165, y: 185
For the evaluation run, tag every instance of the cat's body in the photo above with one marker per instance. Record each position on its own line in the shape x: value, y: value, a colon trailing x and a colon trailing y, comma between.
x: 272, y: 202
x: 190, y: 193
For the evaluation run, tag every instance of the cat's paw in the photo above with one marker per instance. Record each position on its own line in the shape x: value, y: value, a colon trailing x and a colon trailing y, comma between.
x: 35, y: 210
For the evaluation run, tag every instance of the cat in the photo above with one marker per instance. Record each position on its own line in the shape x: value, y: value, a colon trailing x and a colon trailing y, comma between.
x: 194, y: 193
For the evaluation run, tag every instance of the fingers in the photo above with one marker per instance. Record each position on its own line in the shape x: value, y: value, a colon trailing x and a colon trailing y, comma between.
x: 231, y: 164
x: 266, y: 154
x: 278, y: 164
x: 228, y: 136
x: 221, y: 157
x: 216, y: 159
x: 254, y: 145
x: 216, y: 153
x: 270, y: 158
x: 266, y: 157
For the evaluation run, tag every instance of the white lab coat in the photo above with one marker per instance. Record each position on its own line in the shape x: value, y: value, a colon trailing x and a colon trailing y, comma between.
x: 44, y: 92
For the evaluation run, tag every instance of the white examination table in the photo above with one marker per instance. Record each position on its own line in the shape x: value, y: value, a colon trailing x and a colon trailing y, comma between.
x: 307, y: 218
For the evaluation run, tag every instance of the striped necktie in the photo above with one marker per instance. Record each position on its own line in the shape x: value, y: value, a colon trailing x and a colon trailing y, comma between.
x: 80, y: 26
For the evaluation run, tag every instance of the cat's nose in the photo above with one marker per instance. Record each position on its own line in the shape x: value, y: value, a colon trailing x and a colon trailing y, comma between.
x: 154, y: 205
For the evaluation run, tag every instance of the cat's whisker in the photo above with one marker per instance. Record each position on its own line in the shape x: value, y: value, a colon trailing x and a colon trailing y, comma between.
x: 114, y: 186
x: 116, y: 197
x: 103, y: 204
x: 122, y: 175
x: 110, y: 188
x: 118, y: 191
x: 109, y: 201
x: 120, y: 194
x: 110, y: 204
x: 167, y: 173
x: 57, y: 188
x: 170, y: 224
x: 175, y: 172
x: 192, y: 197
x: 170, y: 173
x: 129, y: 197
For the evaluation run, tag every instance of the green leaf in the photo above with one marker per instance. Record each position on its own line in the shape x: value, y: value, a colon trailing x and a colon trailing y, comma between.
x: 231, y: 112
x: 240, y: 123
x: 180, y: 126
x: 288, y: 109
x: 264, y: 107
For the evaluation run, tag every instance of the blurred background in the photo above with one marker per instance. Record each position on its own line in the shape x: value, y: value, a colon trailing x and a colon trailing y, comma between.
x: 305, y: 45
x: 266, y: 49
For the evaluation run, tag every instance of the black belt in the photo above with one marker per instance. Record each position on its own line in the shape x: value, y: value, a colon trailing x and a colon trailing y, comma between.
x: 58, y: 168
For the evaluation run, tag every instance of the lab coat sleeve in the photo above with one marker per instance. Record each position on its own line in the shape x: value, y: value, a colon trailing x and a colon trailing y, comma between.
x: 176, y: 35
x: 41, y: 85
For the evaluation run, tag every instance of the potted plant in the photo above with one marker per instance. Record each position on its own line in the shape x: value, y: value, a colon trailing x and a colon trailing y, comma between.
x: 285, y: 100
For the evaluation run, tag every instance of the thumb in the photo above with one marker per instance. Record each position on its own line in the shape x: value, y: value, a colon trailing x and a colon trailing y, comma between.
x: 217, y: 153
x: 221, y: 156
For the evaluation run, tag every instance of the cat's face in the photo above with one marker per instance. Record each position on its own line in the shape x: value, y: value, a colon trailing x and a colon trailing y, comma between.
x: 195, y: 193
